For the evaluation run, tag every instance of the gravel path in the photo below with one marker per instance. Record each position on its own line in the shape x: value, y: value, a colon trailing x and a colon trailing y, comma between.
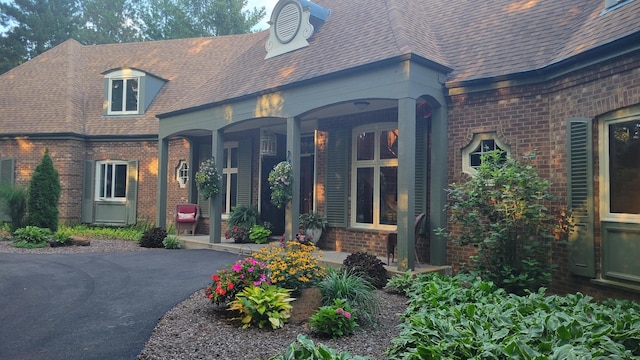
x: 197, y: 329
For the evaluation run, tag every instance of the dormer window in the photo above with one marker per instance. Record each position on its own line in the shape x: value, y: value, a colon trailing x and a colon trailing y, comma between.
x: 129, y: 92
x: 124, y: 92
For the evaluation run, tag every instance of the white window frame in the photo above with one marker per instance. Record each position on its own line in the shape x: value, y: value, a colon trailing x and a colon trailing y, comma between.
x: 227, y: 171
x: 182, y: 173
x: 376, y: 163
x: 125, y: 75
x: 603, y: 154
x: 468, y: 150
x: 100, y: 175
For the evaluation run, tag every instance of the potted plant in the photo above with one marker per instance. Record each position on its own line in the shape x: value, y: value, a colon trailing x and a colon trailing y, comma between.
x: 208, y: 179
x: 313, y: 224
x: 240, y: 222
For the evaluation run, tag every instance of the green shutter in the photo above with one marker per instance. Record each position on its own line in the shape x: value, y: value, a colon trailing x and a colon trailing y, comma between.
x: 421, y: 167
x: 337, y: 177
x: 580, y: 196
x: 244, y: 172
x: 7, y: 171
x: 87, y: 192
x: 132, y: 191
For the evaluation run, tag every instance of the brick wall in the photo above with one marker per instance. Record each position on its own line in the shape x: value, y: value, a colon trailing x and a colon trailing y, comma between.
x: 534, y: 117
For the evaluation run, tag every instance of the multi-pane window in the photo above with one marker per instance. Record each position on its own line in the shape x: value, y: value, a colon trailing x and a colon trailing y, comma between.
x: 111, y: 180
x: 623, y: 166
x: 229, y: 177
x: 182, y: 173
x: 375, y: 176
x: 123, y: 95
x: 480, y: 145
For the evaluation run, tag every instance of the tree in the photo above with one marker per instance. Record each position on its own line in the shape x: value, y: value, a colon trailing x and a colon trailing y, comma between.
x: 228, y: 17
x: 110, y: 21
x: 33, y: 27
x: 504, y: 212
x: 44, y: 194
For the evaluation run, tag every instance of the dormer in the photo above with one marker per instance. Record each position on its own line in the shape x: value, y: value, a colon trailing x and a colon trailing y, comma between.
x: 292, y: 23
x: 129, y: 92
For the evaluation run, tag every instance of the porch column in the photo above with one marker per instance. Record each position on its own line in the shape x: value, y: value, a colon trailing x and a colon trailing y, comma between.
x: 291, y: 221
x: 215, y: 203
x: 438, y: 197
x: 406, y: 183
x: 161, y: 195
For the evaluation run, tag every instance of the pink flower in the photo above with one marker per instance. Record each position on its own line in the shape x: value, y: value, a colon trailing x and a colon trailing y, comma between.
x: 236, y: 267
x: 250, y: 269
x: 340, y: 311
x: 347, y: 314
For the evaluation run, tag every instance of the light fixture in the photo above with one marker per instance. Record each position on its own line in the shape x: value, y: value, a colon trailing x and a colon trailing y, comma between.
x: 268, y: 143
x: 361, y: 105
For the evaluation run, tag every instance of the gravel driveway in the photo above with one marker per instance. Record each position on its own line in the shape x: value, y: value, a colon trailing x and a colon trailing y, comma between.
x: 94, y: 305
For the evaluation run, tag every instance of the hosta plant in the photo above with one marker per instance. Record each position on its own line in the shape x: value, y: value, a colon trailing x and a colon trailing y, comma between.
x: 263, y: 306
x: 259, y: 234
x: 334, y: 320
x: 305, y: 349
x: 32, y: 234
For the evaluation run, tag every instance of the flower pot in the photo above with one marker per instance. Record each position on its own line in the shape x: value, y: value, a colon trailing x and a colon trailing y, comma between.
x: 315, y: 234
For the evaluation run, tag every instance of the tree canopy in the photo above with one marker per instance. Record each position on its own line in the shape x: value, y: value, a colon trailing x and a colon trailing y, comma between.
x: 30, y: 27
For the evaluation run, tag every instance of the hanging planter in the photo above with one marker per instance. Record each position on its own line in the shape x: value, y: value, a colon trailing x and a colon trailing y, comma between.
x: 208, y: 179
x: 281, y: 181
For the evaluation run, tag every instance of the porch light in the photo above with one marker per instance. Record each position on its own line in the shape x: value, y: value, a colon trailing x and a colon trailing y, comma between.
x: 268, y: 143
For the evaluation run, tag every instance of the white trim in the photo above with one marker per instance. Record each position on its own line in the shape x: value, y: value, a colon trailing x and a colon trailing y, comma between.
x: 100, y: 175
x: 227, y: 171
x: 182, y: 166
x: 125, y: 75
x: 475, y: 142
x: 603, y: 155
x: 376, y: 164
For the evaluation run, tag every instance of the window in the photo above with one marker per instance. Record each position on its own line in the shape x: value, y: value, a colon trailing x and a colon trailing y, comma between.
x: 374, y: 176
x: 481, y: 144
x: 620, y: 167
x: 229, y: 177
x: 111, y: 180
x: 123, y: 92
x: 182, y: 173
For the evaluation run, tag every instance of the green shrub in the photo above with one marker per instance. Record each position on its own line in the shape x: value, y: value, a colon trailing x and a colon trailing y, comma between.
x: 133, y: 233
x: 504, y: 211
x: 153, y: 238
x: 62, y: 238
x: 259, y: 234
x: 28, y: 245
x: 171, y: 242
x: 455, y: 318
x: 266, y: 305
x: 44, y: 194
x: 334, y: 320
x: 369, y: 266
x: 13, y: 203
x: 32, y: 235
x: 305, y: 349
x: 350, y: 286
x: 5, y: 232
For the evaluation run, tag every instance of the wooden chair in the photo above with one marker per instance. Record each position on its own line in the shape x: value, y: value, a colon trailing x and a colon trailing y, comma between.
x: 187, y: 214
x: 392, y: 239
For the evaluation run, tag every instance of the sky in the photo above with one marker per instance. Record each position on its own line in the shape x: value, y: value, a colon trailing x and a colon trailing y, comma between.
x: 268, y: 4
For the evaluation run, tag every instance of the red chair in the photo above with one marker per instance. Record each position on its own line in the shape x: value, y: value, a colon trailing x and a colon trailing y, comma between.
x: 392, y: 239
x: 187, y: 214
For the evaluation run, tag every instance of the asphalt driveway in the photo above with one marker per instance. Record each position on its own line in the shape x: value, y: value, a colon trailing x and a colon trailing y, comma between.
x: 94, y: 305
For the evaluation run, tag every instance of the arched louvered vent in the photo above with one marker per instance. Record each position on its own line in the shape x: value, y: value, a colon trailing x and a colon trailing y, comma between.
x: 288, y: 22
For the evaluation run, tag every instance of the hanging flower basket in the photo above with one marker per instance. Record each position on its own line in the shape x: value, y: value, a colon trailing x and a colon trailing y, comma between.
x: 281, y: 180
x: 208, y: 179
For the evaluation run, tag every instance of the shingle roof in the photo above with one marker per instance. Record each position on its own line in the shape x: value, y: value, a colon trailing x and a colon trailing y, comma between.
x: 62, y: 90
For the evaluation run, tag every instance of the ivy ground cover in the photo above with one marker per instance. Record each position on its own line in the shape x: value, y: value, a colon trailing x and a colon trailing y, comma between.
x: 454, y: 318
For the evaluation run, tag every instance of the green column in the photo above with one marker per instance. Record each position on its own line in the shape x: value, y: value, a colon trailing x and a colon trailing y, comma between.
x: 215, y: 203
x: 161, y: 195
x: 293, y: 154
x: 406, y: 182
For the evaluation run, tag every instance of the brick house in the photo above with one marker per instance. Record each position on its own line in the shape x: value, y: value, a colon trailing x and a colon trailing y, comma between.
x: 333, y: 86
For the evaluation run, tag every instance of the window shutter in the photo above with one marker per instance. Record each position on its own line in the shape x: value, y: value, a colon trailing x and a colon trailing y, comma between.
x: 7, y: 171
x: 244, y: 172
x: 87, y: 192
x: 337, y: 177
x: 580, y: 196
x: 132, y: 191
x: 421, y: 167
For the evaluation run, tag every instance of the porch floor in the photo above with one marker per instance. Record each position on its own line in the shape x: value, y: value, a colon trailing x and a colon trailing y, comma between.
x: 333, y: 258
